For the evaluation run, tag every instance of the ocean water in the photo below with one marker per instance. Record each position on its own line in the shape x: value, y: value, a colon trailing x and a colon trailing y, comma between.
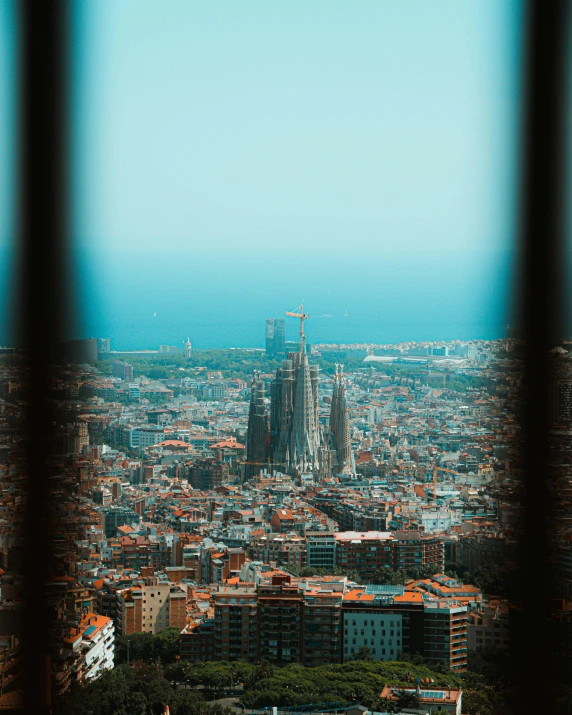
x: 145, y: 299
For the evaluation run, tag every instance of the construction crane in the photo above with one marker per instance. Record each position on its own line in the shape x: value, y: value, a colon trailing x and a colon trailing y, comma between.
x: 303, y: 316
x: 435, y: 470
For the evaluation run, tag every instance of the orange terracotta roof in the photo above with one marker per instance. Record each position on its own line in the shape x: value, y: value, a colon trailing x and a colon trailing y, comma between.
x: 358, y: 594
x: 409, y: 597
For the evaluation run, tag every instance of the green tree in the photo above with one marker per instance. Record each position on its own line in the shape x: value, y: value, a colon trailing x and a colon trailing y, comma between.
x: 139, y: 689
x: 263, y: 671
x: 148, y: 647
x: 187, y: 702
x: 216, y: 677
x: 180, y: 671
x: 140, y: 647
x: 476, y: 702
x: 415, y: 658
x: 356, y: 680
x: 136, y: 704
x: 491, y: 664
x: 166, y: 645
x: 242, y: 671
x: 364, y: 653
x: 496, y: 580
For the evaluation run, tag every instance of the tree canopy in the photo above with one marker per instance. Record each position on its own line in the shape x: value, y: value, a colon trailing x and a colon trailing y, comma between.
x: 157, y: 676
x: 148, y: 647
x: 138, y: 689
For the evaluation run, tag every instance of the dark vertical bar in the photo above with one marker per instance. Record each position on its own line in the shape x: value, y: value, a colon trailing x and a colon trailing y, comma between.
x: 542, y: 234
x: 43, y: 230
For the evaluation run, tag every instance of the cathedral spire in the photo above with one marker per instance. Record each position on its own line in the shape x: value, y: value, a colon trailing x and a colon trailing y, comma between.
x: 296, y: 437
x: 304, y: 438
x: 340, y: 424
x: 258, y: 428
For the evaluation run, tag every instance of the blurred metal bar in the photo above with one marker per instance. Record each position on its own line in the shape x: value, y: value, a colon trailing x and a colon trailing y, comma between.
x: 542, y: 243
x: 42, y: 218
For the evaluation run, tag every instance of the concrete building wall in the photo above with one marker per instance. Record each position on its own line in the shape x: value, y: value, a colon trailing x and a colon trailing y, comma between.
x: 380, y: 632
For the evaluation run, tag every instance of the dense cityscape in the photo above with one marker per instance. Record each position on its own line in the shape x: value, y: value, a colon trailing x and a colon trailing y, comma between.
x: 239, y: 514
x: 299, y: 504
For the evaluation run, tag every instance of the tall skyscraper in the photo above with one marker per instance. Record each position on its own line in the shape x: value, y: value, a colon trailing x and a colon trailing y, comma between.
x: 275, y: 332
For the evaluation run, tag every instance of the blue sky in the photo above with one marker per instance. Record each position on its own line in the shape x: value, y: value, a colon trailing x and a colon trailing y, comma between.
x: 233, y: 158
x: 237, y: 126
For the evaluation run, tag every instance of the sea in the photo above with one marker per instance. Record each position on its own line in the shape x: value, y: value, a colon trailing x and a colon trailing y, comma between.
x: 141, y: 300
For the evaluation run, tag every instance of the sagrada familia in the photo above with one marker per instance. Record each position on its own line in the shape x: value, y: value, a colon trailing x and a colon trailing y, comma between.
x: 289, y: 436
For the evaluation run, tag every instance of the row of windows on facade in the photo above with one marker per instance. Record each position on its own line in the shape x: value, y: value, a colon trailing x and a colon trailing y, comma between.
x: 372, y: 642
x: 391, y: 624
x: 373, y: 633
x: 374, y: 652
x: 243, y: 601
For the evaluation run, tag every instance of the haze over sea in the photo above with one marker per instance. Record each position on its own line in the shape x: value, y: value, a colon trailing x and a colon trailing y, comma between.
x: 141, y: 301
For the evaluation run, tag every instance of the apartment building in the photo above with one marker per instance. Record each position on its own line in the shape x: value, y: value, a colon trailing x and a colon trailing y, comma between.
x: 321, y: 626
x: 214, y: 391
x: 209, y: 474
x: 197, y: 641
x: 412, y: 549
x: 283, y: 521
x: 115, y: 516
x: 315, y: 624
x: 320, y: 549
x: 134, y: 392
x: 98, y: 645
x: 445, y: 634
x: 488, y: 626
x: 141, y: 437
x: 442, y: 586
x: 388, y: 620
x: 122, y: 370
x: 278, y: 622
x: 107, y: 594
x: 364, y: 552
x: 152, y: 609
x: 218, y: 565
x: 282, y: 549
x: 482, y: 548
x: 236, y: 624
x: 92, y: 641
x: 280, y: 615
